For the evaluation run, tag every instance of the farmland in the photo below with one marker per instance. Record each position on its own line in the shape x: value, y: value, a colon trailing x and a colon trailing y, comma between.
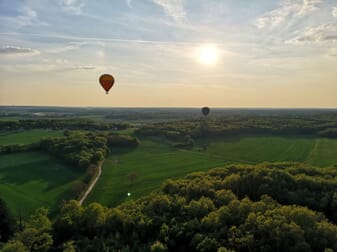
x: 156, y: 160
x: 26, y: 137
x: 30, y: 180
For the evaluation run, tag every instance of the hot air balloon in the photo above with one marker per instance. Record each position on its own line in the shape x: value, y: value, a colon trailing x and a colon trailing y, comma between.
x: 107, y: 81
x: 205, y: 111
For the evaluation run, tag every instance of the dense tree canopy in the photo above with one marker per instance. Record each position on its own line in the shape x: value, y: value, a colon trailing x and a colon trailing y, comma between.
x: 57, y: 124
x: 250, y: 124
x: 236, y: 208
x: 7, y: 223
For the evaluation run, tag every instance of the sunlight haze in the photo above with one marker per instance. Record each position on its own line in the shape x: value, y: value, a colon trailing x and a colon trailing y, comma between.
x: 162, y: 53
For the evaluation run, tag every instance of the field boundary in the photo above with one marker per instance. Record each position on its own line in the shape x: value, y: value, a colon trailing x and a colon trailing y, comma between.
x: 91, y: 184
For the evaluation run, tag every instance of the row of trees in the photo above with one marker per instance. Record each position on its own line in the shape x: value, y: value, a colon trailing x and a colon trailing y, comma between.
x: 78, y: 149
x: 6, y: 149
x: 229, y: 209
x: 224, y: 126
x: 81, y: 150
x: 85, y: 151
x: 59, y: 124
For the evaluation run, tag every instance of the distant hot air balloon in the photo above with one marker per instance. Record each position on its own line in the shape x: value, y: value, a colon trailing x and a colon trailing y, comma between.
x: 107, y: 81
x: 205, y: 111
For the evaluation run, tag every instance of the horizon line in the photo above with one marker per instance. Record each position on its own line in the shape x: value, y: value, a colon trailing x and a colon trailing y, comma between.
x: 166, y: 107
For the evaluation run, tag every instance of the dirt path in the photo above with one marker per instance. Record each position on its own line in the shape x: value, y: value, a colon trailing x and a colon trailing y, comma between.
x: 85, y: 195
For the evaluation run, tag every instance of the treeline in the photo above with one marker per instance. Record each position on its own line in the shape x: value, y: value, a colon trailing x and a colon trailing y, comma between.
x: 59, y: 124
x: 6, y: 149
x: 236, y: 208
x: 85, y: 151
x: 77, y: 149
x: 235, y: 125
x: 81, y: 150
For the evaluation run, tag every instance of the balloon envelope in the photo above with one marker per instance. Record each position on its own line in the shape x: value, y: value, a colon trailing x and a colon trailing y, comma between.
x: 205, y: 111
x: 107, y: 81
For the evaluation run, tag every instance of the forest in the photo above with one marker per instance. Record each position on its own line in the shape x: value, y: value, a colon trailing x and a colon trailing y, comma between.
x: 312, y: 125
x: 267, y: 207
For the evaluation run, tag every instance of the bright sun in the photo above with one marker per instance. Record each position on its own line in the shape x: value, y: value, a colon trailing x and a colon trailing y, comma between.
x: 208, y: 54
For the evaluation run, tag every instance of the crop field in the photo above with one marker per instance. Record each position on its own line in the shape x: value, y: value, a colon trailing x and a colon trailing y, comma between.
x: 26, y: 137
x: 29, y: 180
x: 155, y: 160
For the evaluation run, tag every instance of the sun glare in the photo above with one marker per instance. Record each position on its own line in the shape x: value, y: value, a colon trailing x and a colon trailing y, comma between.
x: 208, y: 54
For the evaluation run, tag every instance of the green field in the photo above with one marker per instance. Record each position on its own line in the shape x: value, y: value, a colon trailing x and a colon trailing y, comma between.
x: 33, y: 179
x: 155, y: 161
x: 26, y: 137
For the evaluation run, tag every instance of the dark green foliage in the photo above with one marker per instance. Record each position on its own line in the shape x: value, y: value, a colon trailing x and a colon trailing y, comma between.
x: 198, y: 213
x: 6, y: 149
x: 82, y: 149
x: 210, y: 211
x: 7, y: 223
x: 78, y: 149
x: 56, y: 124
x: 330, y: 132
x: 122, y: 141
x: 244, y: 124
x: 35, y: 235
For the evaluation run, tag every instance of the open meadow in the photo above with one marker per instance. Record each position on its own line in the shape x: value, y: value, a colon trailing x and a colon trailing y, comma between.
x: 156, y: 160
x: 29, y: 180
x: 27, y: 136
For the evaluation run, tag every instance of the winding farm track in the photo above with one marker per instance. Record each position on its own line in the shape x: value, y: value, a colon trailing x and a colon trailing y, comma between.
x: 85, y: 195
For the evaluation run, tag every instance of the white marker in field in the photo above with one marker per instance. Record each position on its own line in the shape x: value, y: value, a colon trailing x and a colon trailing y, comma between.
x: 129, y: 194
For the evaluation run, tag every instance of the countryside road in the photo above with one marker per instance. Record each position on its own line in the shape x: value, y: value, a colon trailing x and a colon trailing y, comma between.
x: 85, y: 195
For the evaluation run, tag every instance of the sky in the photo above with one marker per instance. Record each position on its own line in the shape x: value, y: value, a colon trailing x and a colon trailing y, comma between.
x: 269, y: 53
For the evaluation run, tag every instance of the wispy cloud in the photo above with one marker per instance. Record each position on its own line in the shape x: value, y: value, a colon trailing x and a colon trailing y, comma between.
x: 316, y: 34
x: 128, y: 2
x: 95, y: 40
x: 332, y: 52
x: 73, y: 6
x: 89, y: 67
x: 38, y: 67
x: 173, y: 9
x: 26, y: 17
x: 309, y: 6
x: 334, y: 12
x: 65, y: 48
x: 288, y: 9
x: 9, y: 50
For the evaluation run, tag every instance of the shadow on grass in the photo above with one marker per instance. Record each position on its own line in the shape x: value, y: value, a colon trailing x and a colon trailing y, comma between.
x: 48, y: 171
x: 122, y: 150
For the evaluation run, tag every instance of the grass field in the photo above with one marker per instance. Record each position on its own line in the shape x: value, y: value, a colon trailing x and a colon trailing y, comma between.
x: 33, y: 179
x: 155, y: 161
x: 26, y: 137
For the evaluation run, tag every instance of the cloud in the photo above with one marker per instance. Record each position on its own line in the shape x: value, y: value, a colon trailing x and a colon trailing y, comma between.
x: 317, y: 34
x: 100, y: 53
x: 89, y: 67
x: 173, y: 9
x: 38, y: 67
x: 65, y: 48
x: 94, y: 40
x: 26, y: 17
x: 288, y: 9
x: 10, y: 50
x: 309, y: 6
x: 128, y: 2
x: 334, y: 12
x: 332, y: 52
x: 73, y: 6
